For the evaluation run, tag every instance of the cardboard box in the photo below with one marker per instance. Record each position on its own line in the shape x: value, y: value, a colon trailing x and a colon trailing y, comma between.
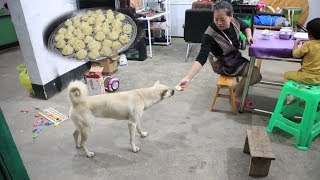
x: 95, y: 81
x: 109, y: 65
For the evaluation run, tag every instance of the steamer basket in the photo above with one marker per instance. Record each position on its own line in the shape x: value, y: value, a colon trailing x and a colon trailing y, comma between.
x: 127, y: 20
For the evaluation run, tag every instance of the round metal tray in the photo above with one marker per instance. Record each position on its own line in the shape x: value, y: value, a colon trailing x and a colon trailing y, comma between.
x: 127, y: 20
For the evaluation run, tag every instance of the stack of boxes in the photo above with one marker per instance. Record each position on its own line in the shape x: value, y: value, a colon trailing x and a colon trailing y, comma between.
x: 94, y: 77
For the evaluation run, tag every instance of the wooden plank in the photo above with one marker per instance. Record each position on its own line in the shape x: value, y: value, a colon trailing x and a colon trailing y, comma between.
x: 259, y: 166
x: 259, y: 143
x: 267, y: 27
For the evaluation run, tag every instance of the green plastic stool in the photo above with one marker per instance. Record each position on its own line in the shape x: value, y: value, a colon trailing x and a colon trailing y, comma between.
x: 309, y: 127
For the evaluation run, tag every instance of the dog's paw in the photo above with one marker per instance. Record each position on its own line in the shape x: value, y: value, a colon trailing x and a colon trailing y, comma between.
x: 144, y: 134
x: 90, y: 154
x: 135, y: 149
x: 78, y: 147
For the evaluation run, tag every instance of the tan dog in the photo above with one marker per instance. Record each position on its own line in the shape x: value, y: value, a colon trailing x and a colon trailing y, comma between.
x: 128, y: 105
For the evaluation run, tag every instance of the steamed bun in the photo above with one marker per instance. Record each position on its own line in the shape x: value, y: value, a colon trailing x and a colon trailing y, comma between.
x: 77, y: 23
x: 120, y: 17
x: 100, y: 36
x: 98, y: 11
x: 87, y: 30
x: 77, y: 31
x: 94, y: 45
x: 68, y: 35
x: 80, y: 36
x: 117, y: 29
x: 117, y: 23
x: 81, y: 54
x: 113, y: 35
x: 107, y: 22
x: 105, y: 51
x: 68, y: 22
x: 94, y: 54
x: 97, y: 23
x: 71, y: 41
x: 116, y: 45
x: 61, y: 44
x: 79, y: 44
x: 76, y: 18
x: 110, y: 13
x: 97, y: 29
x: 127, y: 29
x: 67, y: 50
x: 84, y: 17
x: 62, y: 31
x: 124, y: 39
x: 71, y: 28
x: 59, y: 37
x: 100, y: 17
x: 105, y: 29
x: 107, y: 43
x: 83, y: 25
x: 88, y: 39
x: 91, y: 20
x: 90, y: 13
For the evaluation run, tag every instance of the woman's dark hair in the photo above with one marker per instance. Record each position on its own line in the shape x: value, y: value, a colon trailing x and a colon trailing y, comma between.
x: 313, y: 28
x: 227, y: 7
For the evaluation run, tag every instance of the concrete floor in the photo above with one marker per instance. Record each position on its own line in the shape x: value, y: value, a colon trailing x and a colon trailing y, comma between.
x: 186, y: 140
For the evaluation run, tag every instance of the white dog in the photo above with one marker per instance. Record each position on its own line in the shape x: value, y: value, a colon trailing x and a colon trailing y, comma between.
x: 128, y: 105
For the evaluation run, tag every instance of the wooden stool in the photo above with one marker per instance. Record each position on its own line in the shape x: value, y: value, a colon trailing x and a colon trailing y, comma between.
x: 225, y: 82
x: 258, y: 146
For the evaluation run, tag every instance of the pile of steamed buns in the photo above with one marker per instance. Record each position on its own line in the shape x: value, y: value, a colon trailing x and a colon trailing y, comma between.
x: 92, y: 35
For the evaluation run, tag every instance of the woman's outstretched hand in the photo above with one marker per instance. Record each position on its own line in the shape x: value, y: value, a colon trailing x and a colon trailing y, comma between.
x: 184, y: 83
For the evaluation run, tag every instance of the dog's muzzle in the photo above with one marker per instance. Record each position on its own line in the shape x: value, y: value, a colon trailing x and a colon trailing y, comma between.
x: 171, y: 92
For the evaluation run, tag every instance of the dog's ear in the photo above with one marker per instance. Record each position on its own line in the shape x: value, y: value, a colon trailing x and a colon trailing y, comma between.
x: 158, y: 82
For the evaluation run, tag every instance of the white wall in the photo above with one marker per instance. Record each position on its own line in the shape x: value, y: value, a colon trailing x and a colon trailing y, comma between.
x: 2, y: 2
x: 177, y: 14
x: 30, y: 18
x: 314, y: 12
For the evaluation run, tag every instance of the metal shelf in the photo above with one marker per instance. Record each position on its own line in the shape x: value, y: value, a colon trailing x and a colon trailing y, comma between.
x: 167, y: 29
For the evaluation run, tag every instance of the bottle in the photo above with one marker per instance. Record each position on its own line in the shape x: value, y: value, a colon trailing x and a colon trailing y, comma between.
x: 123, y: 60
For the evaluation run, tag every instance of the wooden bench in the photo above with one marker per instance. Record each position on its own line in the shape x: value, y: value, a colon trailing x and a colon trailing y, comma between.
x: 259, y: 147
x: 227, y: 83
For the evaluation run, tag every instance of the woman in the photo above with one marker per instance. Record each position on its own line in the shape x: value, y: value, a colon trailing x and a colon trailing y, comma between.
x: 220, y: 43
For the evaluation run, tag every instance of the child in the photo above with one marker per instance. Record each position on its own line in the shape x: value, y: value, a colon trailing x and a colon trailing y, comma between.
x: 309, y: 51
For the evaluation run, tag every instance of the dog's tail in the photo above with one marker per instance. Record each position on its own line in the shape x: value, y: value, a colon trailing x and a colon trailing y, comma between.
x: 77, y: 92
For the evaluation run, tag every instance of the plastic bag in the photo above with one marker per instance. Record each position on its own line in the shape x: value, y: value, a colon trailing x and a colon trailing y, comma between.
x: 265, y: 20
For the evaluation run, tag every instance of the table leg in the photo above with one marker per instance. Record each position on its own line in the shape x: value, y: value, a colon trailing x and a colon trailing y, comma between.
x: 247, y: 84
x: 149, y: 36
x: 167, y: 34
